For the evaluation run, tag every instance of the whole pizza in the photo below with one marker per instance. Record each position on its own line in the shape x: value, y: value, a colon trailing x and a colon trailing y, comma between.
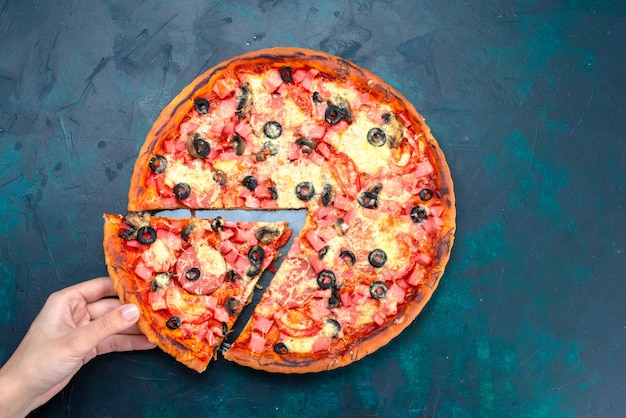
x: 280, y: 129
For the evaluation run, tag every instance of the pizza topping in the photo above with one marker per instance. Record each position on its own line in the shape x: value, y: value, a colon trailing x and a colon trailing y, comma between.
x: 198, y: 147
x: 322, y: 253
x: 249, y: 182
x: 219, y: 177
x: 272, y: 129
x: 146, y: 235
x: 182, y: 190
x: 327, y: 195
x: 306, y: 144
x: 348, y: 256
x: 232, y: 305
x: 256, y: 255
x: 173, y: 323
x: 253, y: 270
x: 202, y: 105
x: 333, y: 115
x: 377, y: 258
x: 280, y: 348
x: 334, y: 300
x: 286, y: 74
x: 305, y: 190
x: 419, y: 213
x: 326, y: 279
x: 232, y: 276
x: 273, y: 192
x: 369, y: 198
x: 316, y: 98
x: 217, y: 223
x: 161, y: 281
x: 376, y: 137
x: 269, y: 148
x: 426, y: 194
x: 340, y: 108
x: 244, y: 100
x: 238, y: 144
x: 378, y: 290
x: 267, y: 235
x: 187, y: 231
x: 158, y: 164
x: 331, y: 328
x: 192, y: 274
x: 392, y: 129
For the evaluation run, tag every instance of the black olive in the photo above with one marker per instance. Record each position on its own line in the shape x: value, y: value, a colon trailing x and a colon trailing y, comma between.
x: 333, y: 114
x: 173, y: 322
x: 348, y: 256
x: 146, y: 235
x: 376, y: 137
x: 253, y: 270
x: 158, y: 164
x: 377, y: 258
x: 198, y: 147
x: 272, y: 129
x: 249, y: 182
x: 232, y: 305
x: 242, y: 100
x: 368, y: 199
x: 286, y: 73
x: 324, y: 251
x: 256, y: 255
x: 316, y: 97
x: 305, y: 191
x: 386, y: 117
x: 202, y: 105
x: 334, y: 300
x: 326, y: 279
x: 419, y: 213
x: 306, y: 144
x: 232, y: 276
x: 273, y: 192
x: 270, y: 148
x: 187, y: 231
x: 239, y: 145
x: 426, y: 194
x: 378, y: 290
x: 182, y: 190
x: 267, y: 235
x: 327, y: 195
x: 217, y: 224
x: 192, y: 274
x: 332, y: 328
x: 281, y: 348
x: 219, y: 177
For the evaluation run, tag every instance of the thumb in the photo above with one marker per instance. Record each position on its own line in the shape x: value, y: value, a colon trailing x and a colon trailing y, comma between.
x: 112, y: 323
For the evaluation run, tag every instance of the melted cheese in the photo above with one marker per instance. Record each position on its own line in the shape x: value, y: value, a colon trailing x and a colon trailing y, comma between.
x: 211, y: 260
x: 159, y: 256
x: 353, y: 142
x: 199, y: 178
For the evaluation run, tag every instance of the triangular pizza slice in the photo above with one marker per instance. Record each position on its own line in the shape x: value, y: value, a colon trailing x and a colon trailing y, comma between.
x: 190, y: 278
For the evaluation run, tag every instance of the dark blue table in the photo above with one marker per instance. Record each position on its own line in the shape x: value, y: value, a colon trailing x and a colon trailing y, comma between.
x: 527, y: 100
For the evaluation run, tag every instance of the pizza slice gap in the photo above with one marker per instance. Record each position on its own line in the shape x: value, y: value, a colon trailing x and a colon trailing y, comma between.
x: 190, y: 277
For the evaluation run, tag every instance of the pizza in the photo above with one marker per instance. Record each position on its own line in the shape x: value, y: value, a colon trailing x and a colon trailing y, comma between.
x: 287, y: 129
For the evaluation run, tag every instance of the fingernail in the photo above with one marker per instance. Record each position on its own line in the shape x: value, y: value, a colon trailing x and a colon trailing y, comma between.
x: 130, y: 312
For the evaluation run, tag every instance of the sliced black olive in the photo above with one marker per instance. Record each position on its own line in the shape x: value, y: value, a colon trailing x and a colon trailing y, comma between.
x: 377, y: 258
x: 270, y: 148
x: 272, y: 129
x: 305, y: 191
x: 331, y: 328
x: 327, y: 195
x: 158, y: 164
x: 316, y: 98
x: 202, y: 105
x: 348, y: 256
x: 219, y: 177
x: 253, y: 270
x: 217, y: 224
x: 419, y: 213
x: 249, y: 182
x: 256, y: 255
x: 187, y: 231
x: 281, y: 348
x: 267, y: 235
x: 376, y: 137
x: 273, y: 192
x: 426, y: 194
x: 378, y: 290
x: 334, y: 300
x: 324, y: 251
x: 386, y: 117
x: 192, y: 274
x: 232, y: 305
x: 239, y: 145
x: 182, y: 191
x: 306, y: 144
x: 146, y: 235
x: 173, y: 323
x: 333, y: 114
x: 286, y: 73
x: 326, y: 279
x: 198, y: 147
x: 243, y: 100
x: 368, y: 199
x: 232, y: 276
x: 341, y: 107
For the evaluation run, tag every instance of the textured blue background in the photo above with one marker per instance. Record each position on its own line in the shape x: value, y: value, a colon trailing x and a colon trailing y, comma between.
x: 526, y: 98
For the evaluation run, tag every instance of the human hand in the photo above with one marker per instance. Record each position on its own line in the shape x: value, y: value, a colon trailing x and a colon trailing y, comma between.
x: 75, y: 325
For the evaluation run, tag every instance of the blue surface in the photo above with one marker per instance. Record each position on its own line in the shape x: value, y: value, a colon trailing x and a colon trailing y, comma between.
x: 527, y: 100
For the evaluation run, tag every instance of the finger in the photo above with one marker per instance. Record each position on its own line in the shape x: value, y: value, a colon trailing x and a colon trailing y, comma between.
x: 102, y: 307
x: 118, y: 343
x: 114, y: 322
x: 93, y: 289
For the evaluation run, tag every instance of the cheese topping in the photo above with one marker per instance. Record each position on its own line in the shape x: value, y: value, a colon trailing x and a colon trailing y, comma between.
x: 211, y: 260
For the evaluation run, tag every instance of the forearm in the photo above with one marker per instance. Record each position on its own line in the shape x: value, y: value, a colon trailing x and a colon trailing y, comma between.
x: 15, y: 401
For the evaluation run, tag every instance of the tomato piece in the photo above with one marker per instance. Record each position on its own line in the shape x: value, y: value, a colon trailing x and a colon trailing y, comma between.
x: 345, y: 173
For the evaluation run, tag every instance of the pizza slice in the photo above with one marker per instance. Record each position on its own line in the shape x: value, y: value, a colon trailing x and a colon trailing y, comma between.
x: 190, y: 278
